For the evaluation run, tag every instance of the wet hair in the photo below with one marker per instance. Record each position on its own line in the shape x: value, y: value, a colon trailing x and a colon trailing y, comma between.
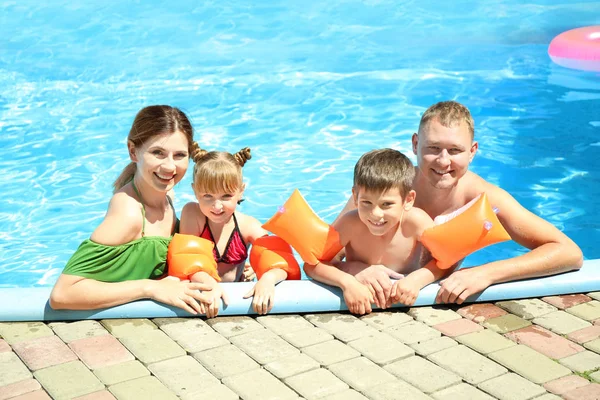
x: 153, y: 121
x: 384, y: 169
x: 218, y: 171
x: 449, y: 114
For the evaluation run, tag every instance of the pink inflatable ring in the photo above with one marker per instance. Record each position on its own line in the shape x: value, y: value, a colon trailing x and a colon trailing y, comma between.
x: 578, y: 48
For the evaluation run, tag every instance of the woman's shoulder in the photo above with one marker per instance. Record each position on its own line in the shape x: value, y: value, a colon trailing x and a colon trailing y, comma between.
x: 123, y: 221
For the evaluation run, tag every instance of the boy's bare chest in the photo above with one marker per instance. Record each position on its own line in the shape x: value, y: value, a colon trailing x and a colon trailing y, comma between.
x: 400, y: 254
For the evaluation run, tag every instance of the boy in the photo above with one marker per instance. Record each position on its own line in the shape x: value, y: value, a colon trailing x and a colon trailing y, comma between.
x: 383, y: 230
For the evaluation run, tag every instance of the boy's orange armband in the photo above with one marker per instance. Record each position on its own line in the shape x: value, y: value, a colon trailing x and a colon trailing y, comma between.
x: 297, y: 224
x: 473, y: 229
x: 271, y: 252
x: 188, y: 254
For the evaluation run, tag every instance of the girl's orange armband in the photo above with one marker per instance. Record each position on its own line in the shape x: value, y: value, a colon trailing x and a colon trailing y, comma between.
x: 188, y: 254
x: 474, y: 228
x: 271, y: 252
x: 297, y: 224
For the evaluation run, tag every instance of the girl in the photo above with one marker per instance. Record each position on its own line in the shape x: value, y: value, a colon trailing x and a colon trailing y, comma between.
x: 218, y: 186
x: 127, y: 253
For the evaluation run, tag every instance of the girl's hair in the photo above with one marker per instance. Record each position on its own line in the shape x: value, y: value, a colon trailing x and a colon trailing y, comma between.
x: 149, y: 122
x: 218, y: 171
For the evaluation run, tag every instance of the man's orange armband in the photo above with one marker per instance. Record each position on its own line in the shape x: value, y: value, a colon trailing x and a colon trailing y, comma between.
x: 188, y: 254
x: 296, y: 223
x: 272, y: 252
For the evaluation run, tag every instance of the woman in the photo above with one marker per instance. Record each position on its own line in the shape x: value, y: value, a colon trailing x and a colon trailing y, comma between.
x: 126, y: 254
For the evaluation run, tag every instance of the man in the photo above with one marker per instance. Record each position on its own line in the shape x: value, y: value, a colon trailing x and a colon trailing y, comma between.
x: 445, y: 146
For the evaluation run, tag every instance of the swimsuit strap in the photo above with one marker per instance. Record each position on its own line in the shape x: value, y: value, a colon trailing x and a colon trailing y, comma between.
x: 137, y: 192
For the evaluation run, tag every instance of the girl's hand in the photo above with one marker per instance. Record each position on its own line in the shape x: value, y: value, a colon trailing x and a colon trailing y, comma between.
x: 264, y: 295
x: 189, y: 296
x: 248, y: 275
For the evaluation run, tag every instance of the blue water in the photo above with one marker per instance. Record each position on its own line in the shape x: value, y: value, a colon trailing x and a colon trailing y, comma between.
x: 308, y: 85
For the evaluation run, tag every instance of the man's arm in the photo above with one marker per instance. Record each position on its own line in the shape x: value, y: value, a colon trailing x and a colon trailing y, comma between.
x: 551, y: 252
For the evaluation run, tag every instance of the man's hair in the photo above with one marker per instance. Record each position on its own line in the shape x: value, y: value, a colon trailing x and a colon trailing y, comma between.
x: 449, y: 114
x: 384, y: 169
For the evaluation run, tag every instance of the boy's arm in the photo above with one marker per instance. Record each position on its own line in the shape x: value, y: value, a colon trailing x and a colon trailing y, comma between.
x: 551, y: 252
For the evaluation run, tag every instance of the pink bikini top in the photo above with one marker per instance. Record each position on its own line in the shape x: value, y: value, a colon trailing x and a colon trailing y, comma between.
x: 235, y: 251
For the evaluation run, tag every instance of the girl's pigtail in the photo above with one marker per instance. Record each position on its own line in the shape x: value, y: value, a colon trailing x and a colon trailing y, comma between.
x: 242, y: 156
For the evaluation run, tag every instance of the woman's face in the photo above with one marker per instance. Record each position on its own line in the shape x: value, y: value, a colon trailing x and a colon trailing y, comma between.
x: 162, y: 160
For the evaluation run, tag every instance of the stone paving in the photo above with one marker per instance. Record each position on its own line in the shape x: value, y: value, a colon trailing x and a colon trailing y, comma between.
x: 542, y: 349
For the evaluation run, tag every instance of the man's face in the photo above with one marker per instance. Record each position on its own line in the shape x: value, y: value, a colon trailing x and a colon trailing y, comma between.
x: 443, y: 154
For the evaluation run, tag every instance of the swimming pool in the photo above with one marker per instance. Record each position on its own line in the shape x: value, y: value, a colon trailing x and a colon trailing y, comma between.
x: 309, y: 86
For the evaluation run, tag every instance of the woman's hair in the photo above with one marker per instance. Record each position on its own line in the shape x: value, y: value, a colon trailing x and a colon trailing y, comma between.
x: 149, y: 122
x: 218, y: 171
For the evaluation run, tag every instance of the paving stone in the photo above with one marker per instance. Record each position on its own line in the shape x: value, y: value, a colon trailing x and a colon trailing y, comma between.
x: 544, y: 341
x: 461, y: 391
x: 18, y: 388
x: 395, y: 390
x: 529, y: 364
x: 70, y: 331
x: 37, y: 395
x: 128, y: 327
x: 258, y: 384
x: 595, y: 377
x: 43, y: 352
x: 413, y: 332
x: 264, y: 346
x: 331, y: 352
x: 343, y: 326
x: 582, y: 362
x: 506, y: 323
x: 213, y: 392
x: 485, y: 341
x: 4, y: 347
x: 193, y: 342
x: 12, y: 369
x: 433, y: 345
x: 281, y: 324
x: 565, y: 384
x: 589, y: 392
x: 468, y: 364
x: 233, y: 326
x: 225, y: 361
x: 349, y: 394
x: 307, y: 337
x: 433, y: 315
x: 100, y: 351
x: 585, y: 335
x: 291, y: 365
x: 316, y: 384
x: 548, y: 396
x: 381, y: 348
x: 183, y: 375
x: 458, y: 327
x: 14, y: 332
x: 593, y: 345
x: 561, y: 322
x: 527, y: 308
x: 567, y: 300
x: 122, y: 372
x: 480, y: 312
x: 147, y: 388
x: 588, y: 311
x: 65, y: 381
x: 151, y: 346
x: 386, y: 319
x: 178, y: 327
x: 361, y: 373
x: 101, y: 395
x: 594, y: 295
x: 423, y: 374
x: 511, y: 387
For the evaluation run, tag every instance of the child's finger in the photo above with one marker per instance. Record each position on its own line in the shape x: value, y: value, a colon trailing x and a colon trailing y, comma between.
x: 249, y: 294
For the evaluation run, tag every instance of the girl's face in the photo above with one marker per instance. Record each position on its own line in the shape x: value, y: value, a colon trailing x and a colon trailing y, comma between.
x: 162, y: 160
x: 219, y: 207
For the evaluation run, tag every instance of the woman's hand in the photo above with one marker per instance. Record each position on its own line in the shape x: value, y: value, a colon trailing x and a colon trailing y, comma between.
x: 216, y: 293
x: 189, y: 296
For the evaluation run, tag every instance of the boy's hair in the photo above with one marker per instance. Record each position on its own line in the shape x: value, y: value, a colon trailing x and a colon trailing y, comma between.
x: 383, y: 169
x: 218, y: 171
x: 448, y: 113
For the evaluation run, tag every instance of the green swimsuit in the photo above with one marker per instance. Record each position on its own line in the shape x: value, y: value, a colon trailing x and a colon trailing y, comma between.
x: 140, y: 259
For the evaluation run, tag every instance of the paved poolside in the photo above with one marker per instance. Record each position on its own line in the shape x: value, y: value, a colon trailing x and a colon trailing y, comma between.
x: 546, y: 348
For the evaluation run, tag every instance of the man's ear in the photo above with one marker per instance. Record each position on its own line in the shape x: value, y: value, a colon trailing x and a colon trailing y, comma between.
x: 473, y: 151
x: 131, y: 149
x: 409, y: 200
x: 415, y: 142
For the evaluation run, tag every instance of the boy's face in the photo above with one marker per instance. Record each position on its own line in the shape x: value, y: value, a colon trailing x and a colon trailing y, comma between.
x: 381, y: 212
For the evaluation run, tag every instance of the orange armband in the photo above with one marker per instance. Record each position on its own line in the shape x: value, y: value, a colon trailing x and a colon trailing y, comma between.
x: 473, y: 229
x: 296, y: 223
x: 188, y: 254
x: 271, y: 252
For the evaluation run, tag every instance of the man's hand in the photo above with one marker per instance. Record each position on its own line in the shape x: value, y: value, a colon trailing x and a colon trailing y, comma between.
x: 462, y: 284
x: 378, y: 279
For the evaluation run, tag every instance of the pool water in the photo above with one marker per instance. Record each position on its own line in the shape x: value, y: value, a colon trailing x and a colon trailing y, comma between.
x: 309, y: 86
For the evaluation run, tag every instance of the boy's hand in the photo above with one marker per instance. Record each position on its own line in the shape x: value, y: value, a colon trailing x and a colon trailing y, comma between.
x: 264, y: 294
x: 358, y: 297
x: 378, y: 278
x: 405, y: 291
